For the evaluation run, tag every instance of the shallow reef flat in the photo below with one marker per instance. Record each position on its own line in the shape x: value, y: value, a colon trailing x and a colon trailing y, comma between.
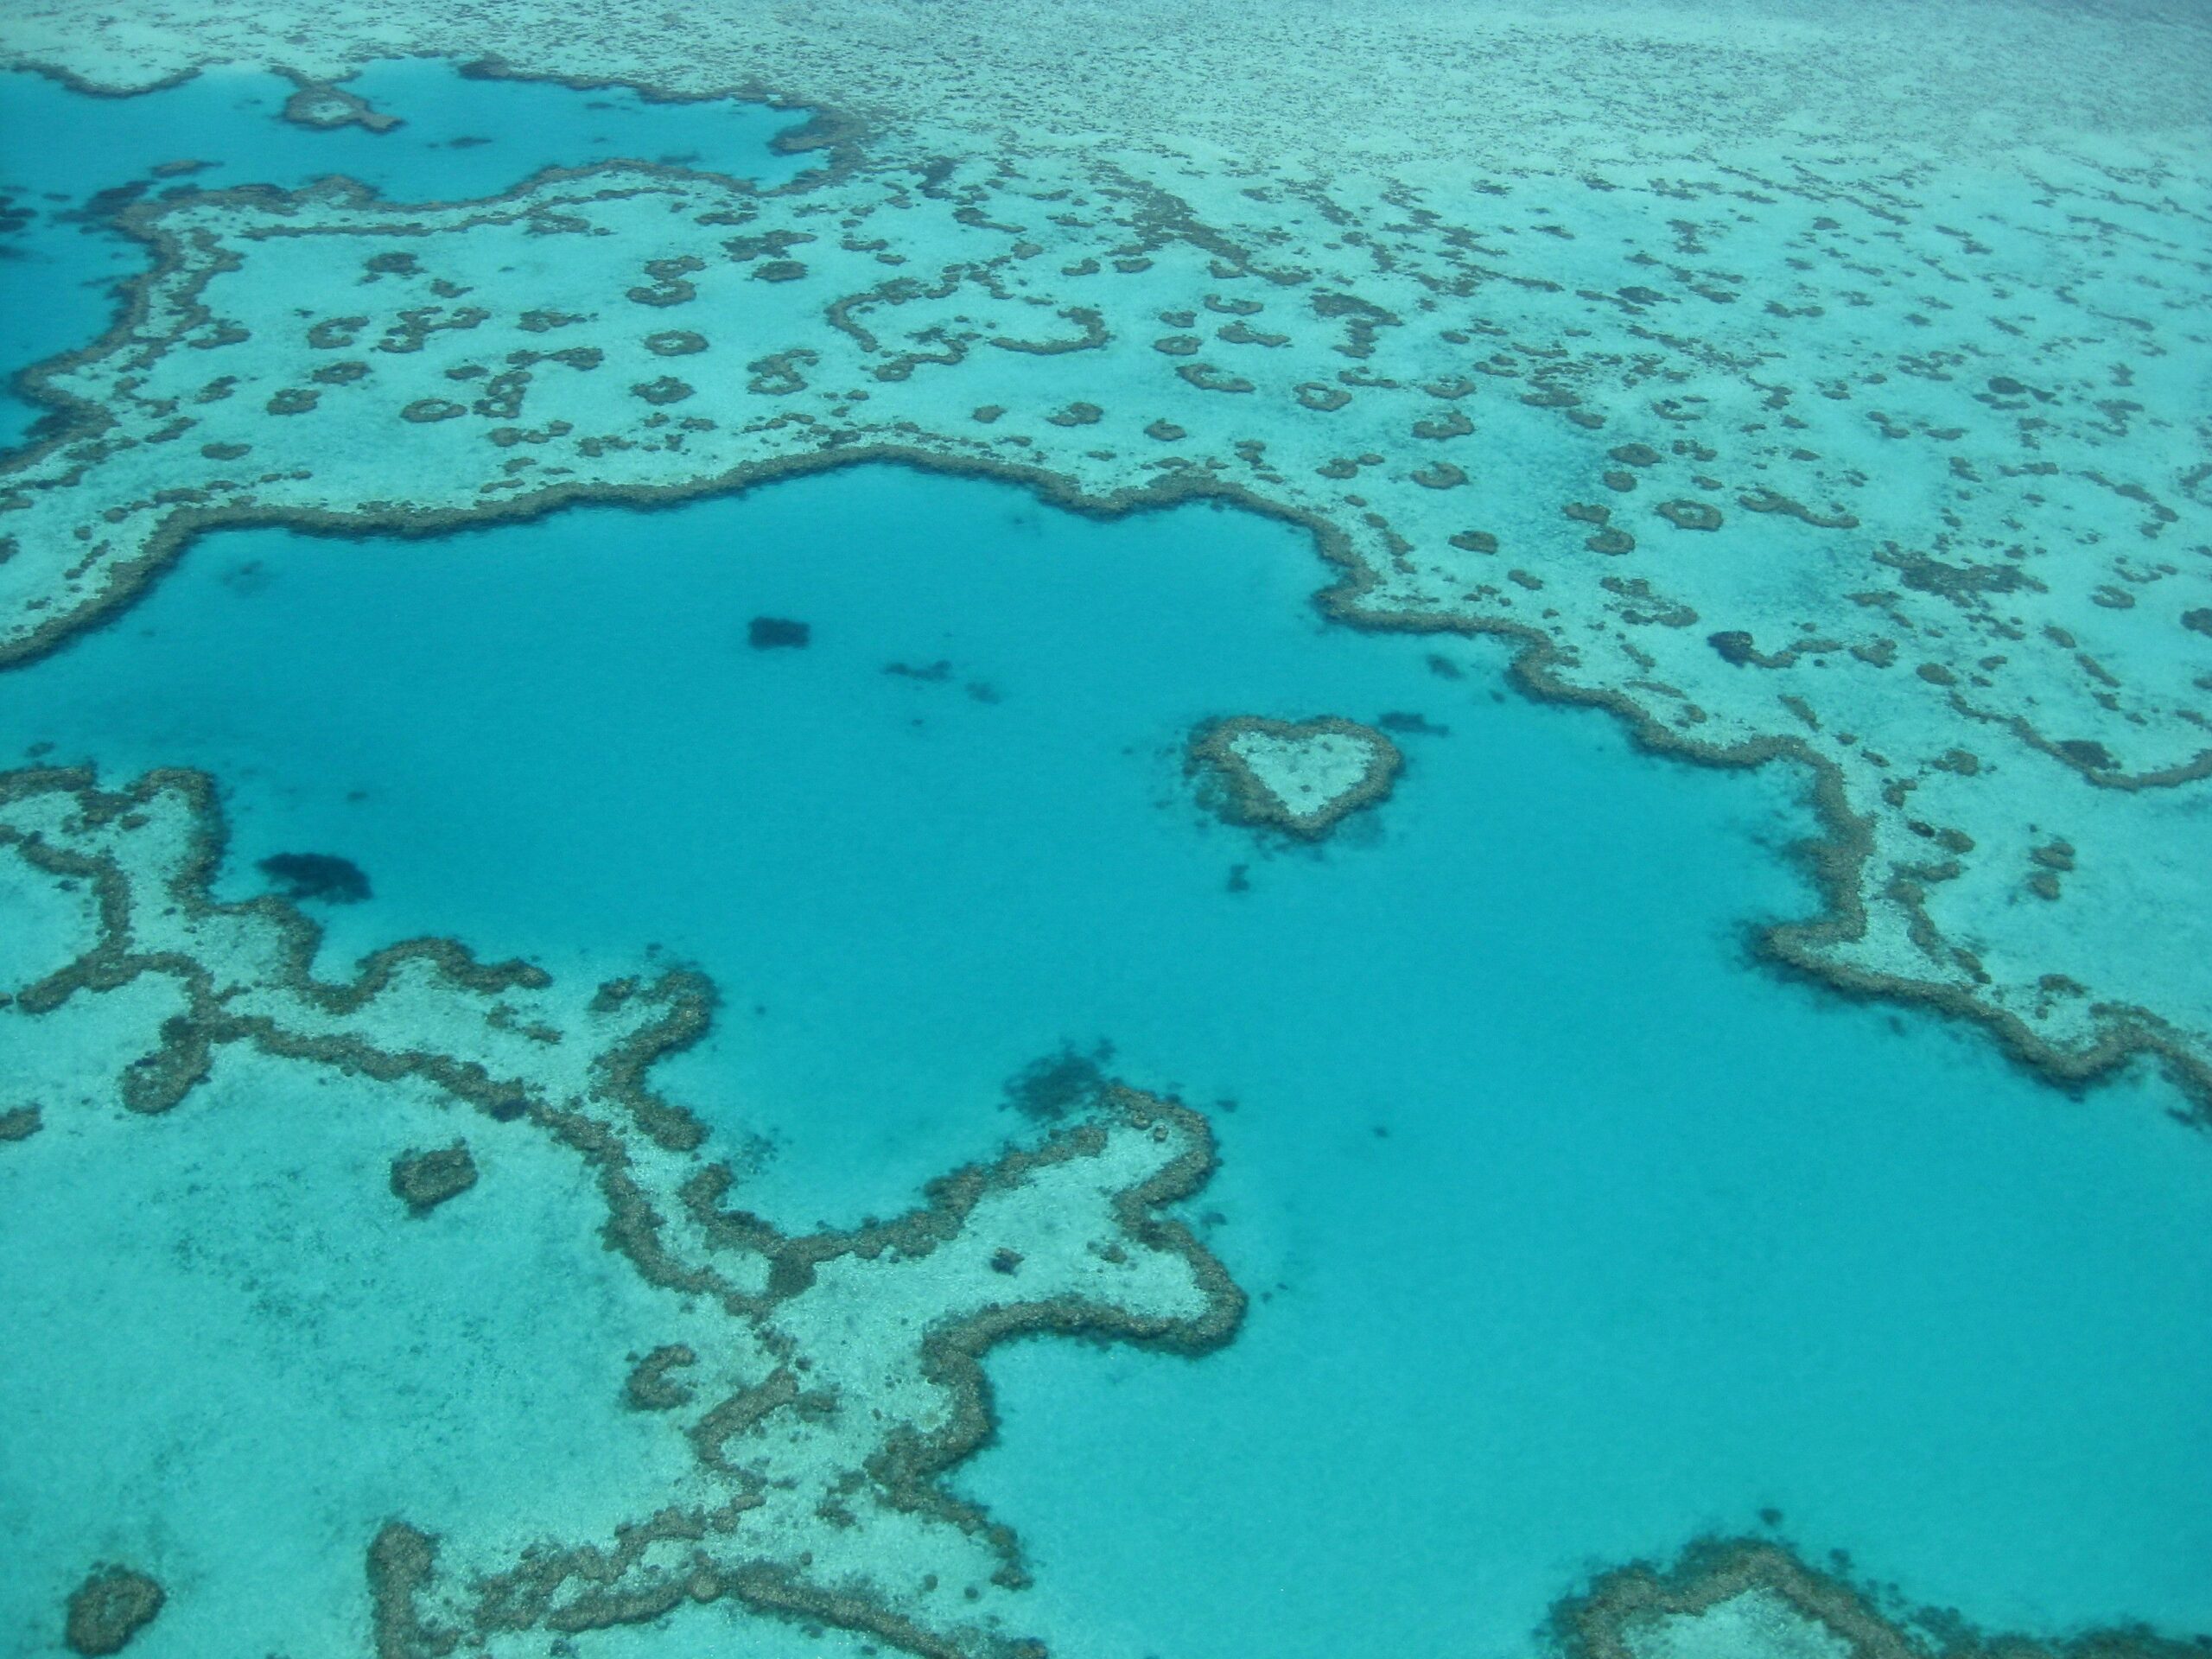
x: 1878, y: 451
x: 789, y: 1401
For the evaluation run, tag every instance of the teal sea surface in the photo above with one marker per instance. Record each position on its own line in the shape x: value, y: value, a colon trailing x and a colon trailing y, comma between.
x: 1573, y: 1231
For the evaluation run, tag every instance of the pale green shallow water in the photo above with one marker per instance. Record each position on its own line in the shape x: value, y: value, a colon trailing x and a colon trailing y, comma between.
x: 1573, y: 1233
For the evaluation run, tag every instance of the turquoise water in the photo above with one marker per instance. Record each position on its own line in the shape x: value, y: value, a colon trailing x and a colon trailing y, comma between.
x: 460, y: 138
x: 1571, y: 1232
x: 1558, y: 1258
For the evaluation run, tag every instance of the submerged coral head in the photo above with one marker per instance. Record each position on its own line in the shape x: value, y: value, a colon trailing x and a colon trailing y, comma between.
x: 768, y: 632
x: 113, y: 1606
x: 317, y: 875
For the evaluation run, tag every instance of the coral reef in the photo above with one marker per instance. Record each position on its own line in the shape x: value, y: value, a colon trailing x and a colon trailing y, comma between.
x: 1302, y: 777
x: 1924, y: 402
x: 843, y: 1379
x: 1963, y: 610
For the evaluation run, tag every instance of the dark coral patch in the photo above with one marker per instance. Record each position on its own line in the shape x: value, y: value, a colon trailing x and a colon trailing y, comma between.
x: 1318, y: 395
x: 1206, y: 378
x: 108, y: 1608
x: 1734, y: 645
x: 1690, y: 515
x: 650, y: 1387
x: 427, y: 1180
x: 670, y: 282
x: 1451, y: 423
x: 334, y: 333
x: 777, y: 374
x: 774, y: 633
x: 1047, y: 1090
x: 317, y: 875
x: 2088, y: 753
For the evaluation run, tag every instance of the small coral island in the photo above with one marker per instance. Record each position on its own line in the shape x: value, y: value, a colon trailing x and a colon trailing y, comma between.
x: 1302, y: 777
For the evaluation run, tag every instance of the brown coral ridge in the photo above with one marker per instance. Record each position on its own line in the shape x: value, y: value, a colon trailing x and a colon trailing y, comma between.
x: 837, y: 134
x: 160, y: 1080
x: 147, y: 853
x: 1230, y: 787
x: 1605, y: 1621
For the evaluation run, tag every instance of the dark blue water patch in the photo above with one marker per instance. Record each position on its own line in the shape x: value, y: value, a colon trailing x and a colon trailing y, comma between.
x: 66, y: 156
x: 1570, y: 1233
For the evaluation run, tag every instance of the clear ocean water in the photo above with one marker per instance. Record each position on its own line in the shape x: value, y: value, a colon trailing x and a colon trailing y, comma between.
x: 1573, y: 1232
